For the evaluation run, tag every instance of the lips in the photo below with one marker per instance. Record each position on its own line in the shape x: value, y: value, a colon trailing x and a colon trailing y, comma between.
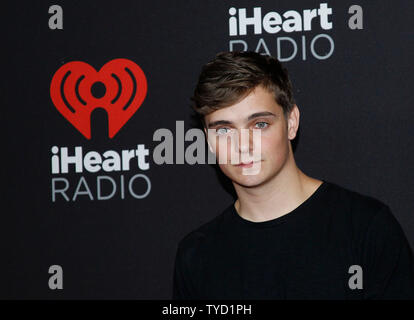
x: 245, y: 164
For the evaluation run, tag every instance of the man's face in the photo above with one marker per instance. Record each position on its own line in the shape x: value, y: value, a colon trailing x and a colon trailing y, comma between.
x: 256, y: 123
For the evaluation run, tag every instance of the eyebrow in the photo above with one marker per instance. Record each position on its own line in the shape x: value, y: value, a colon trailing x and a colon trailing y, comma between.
x: 251, y: 117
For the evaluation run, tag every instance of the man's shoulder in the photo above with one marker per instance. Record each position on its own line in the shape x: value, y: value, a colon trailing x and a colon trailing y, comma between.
x: 360, y: 199
x: 342, y: 202
x: 358, y: 206
x: 357, y: 216
x: 206, y: 231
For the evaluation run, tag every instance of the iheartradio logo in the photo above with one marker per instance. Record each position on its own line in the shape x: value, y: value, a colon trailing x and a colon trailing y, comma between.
x: 72, y: 93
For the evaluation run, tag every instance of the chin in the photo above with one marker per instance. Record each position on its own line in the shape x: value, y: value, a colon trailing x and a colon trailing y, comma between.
x: 247, y: 181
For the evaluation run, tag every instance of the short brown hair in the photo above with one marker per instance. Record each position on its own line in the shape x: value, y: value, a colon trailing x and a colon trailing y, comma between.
x: 231, y: 76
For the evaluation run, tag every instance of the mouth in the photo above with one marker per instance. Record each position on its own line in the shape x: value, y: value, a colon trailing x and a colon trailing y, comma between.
x: 246, y: 164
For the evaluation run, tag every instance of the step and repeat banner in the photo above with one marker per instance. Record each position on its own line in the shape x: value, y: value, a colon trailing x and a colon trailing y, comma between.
x: 99, y: 182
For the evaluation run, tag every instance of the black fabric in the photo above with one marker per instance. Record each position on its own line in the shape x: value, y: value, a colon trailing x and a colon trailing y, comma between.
x: 305, y: 254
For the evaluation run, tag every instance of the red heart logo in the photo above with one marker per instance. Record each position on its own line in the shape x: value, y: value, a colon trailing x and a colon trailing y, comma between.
x: 125, y: 90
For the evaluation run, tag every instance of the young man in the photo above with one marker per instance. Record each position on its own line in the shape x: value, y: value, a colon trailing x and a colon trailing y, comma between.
x: 288, y: 235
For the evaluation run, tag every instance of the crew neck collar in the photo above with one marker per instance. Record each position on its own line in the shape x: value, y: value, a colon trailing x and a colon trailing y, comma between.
x: 295, y: 213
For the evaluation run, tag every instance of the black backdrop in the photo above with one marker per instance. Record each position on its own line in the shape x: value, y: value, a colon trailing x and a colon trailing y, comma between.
x: 355, y: 130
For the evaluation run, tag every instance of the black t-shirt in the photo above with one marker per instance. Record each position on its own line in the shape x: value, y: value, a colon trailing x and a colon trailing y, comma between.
x: 337, y: 244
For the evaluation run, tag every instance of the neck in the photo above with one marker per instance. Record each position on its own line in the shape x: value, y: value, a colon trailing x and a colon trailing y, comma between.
x: 280, y: 195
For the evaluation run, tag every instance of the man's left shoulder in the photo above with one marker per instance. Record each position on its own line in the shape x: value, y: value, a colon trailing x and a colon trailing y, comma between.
x: 359, y: 207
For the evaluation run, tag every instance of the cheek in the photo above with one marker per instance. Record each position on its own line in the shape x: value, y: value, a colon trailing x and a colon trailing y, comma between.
x: 222, y: 147
x: 274, y: 143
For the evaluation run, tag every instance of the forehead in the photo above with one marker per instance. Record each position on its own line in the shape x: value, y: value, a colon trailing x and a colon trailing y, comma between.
x: 259, y: 100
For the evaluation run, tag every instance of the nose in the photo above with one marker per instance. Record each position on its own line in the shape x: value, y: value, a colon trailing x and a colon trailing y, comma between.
x: 245, y: 141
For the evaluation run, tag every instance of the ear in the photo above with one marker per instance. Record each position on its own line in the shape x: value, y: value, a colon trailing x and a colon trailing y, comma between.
x: 293, y: 122
x: 208, y: 142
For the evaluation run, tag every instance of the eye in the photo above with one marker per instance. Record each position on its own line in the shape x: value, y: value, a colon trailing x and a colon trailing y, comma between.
x: 223, y: 130
x: 261, y: 124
